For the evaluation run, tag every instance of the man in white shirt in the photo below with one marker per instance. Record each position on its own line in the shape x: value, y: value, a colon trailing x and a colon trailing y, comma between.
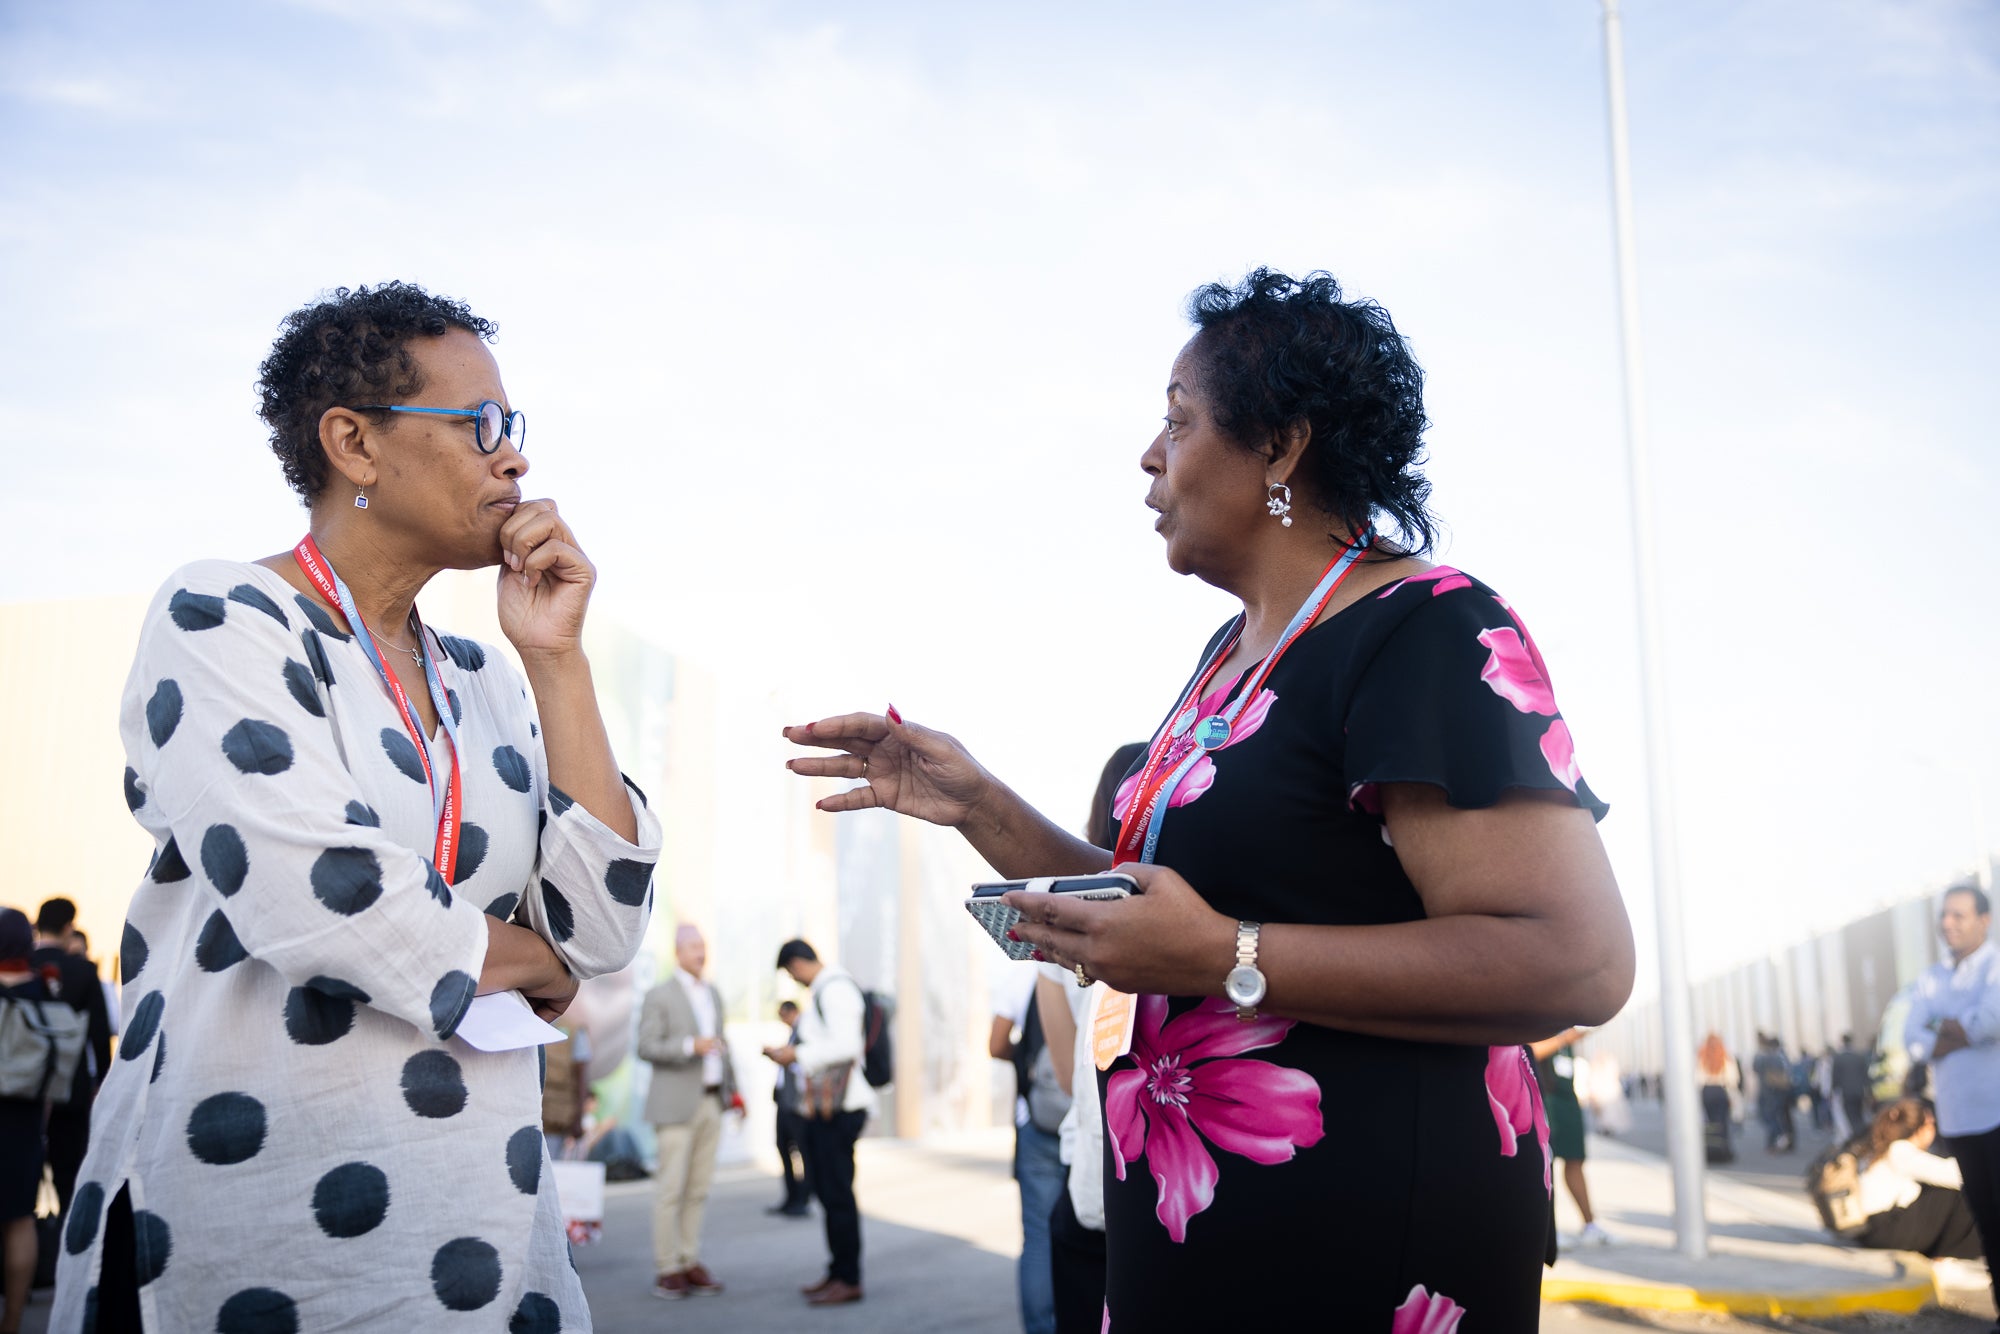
x: 832, y: 1040
x: 680, y: 1033
x: 1954, y: 1024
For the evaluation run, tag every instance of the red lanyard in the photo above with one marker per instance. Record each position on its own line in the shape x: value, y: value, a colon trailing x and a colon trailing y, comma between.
x: 1138, y: 834
x: 450, y: 811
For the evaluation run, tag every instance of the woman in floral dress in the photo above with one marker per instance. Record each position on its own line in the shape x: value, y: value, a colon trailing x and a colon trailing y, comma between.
x: 1369, y: 867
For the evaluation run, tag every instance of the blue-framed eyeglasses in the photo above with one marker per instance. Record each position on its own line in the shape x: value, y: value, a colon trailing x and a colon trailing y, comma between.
x: 493, y: 422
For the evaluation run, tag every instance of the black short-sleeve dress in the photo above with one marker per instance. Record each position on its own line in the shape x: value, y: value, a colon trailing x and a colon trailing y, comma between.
x: 1282, y: 1174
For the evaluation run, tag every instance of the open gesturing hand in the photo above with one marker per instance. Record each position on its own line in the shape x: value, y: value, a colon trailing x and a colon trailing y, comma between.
x: 545, y: 581
x: 908, y: 769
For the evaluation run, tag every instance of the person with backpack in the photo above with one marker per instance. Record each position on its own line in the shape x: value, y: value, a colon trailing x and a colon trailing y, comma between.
x: 833, y: 1054
x: 1040, y: 1104
x: 22, y: 1113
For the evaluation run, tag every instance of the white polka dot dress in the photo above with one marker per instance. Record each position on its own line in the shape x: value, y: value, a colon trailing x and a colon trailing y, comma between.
x: 306, y: 1145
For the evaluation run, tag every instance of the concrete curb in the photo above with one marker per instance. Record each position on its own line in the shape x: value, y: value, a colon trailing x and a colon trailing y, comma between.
x: 1910, y: 1293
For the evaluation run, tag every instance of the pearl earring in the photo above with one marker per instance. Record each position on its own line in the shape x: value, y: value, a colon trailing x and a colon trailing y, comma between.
x: 361, y: 500
x: 1280, y: 503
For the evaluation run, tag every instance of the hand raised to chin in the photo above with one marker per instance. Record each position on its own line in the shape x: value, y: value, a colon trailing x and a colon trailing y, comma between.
x: 545, y: 581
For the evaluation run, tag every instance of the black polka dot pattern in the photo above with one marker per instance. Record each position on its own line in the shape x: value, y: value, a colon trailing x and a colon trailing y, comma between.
x: 503, y: 907
x: 449, y: 998
x: 131, y: 955
x: 524, y: 1159
x: 163, y: 711
x: 159, y: 1057
x: 351, y: 1200
x: 86, y: 1209
x: 313, y: 1018
x: 537, y: 1314
x: 224, y: 859
x: 625, y: 881
x: 154, y: 1243
x: 334, y: 986
x: 141, y: 1027
x: 299, y: 682
x: 472, y: 844
x: 465, y: 1274
x: 90, y: 1311
x: 169, y: 867
x: 258, y: 1311
x: 468, y: 655
x: 637, y: 791
x: 562, y: 918
x: 347, y: 880
x: 359, y: 813
x: 316, y: 657
x: 560, y: 800
x: 258, y: 747
x: 197, y: 611
x: 402, y: 753
x: 433, y: 1085
x: 135, y: 796
x: 457, y: 709
x: 435, y: 883
x: 226, y: 1129
x: 322, y: 622
x: 512, y: 768
x: 218, y: 948
x: 249, y: 595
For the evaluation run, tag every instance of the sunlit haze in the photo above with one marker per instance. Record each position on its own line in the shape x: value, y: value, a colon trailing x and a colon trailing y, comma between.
x: 840, y: 330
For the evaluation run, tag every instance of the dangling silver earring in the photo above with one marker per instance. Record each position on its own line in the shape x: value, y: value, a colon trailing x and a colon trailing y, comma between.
x: 361, y: 500
x: 1280, y: 503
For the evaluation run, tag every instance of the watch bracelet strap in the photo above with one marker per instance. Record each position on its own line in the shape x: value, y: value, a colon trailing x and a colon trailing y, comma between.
x: 1248, y: 937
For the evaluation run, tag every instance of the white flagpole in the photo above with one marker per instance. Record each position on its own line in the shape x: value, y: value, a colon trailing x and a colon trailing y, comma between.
x: 1682, y: 1102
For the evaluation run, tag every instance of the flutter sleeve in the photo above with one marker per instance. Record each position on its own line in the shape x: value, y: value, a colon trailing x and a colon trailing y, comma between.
x: 1457, y: 696
x: 234, y: 767
x: 593, y: 895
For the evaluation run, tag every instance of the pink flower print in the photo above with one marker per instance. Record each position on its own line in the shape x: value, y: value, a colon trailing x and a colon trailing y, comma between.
x: 1189, y: 1086
x: 1426, y: 1312
x: 1514, y: 671
x: 1560, y: 751
x: 1447, y: 579
x: 1202, y: 776
x: 1516, y: 1101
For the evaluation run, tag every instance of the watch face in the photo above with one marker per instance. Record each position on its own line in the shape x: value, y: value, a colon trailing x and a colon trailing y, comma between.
x: 1244, y: 985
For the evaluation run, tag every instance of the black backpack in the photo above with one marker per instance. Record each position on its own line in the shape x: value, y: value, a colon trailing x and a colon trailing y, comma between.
x: 878, y: 1043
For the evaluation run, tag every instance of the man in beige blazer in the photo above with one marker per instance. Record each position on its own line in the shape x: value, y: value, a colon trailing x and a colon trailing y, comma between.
x: 680, y: 1033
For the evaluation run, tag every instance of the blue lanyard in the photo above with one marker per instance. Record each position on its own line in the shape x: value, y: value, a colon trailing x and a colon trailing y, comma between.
x: 1212, y: 732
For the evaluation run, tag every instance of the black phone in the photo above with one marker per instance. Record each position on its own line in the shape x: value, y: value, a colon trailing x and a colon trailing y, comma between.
x: 998, y: 918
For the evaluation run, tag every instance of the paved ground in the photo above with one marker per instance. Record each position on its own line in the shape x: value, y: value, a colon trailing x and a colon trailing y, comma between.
x: 941, y: 1228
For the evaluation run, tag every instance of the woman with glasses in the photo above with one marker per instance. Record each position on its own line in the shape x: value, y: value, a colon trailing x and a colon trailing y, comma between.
x: 1368, y: 862
x: 378, y: 846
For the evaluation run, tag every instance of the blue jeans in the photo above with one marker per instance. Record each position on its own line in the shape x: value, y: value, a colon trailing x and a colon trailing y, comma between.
x: 1043, y: 1178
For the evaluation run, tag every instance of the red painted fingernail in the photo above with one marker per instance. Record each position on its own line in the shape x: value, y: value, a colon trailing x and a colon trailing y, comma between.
x: 1013, y: 934
x: 895, y: 717
x: 1037, y: 957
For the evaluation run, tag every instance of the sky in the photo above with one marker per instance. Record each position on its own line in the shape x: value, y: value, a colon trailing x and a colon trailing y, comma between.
x: 840, y: 330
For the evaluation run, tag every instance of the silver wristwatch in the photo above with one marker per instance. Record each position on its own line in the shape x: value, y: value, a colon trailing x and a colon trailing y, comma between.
x: 1245, y: 984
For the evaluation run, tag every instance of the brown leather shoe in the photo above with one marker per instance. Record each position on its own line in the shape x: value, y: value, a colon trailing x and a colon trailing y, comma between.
x: 672, y: 1286
x: 700, y: 1282
x: 820, y: 1286
x: 835, y: 1293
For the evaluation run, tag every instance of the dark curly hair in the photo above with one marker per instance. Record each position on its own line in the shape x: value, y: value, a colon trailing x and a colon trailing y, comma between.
x: 1275, y: 352
x: 353, y: 343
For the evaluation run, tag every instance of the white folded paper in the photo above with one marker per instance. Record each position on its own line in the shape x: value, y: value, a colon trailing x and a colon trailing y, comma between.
x: 503, y: 1021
